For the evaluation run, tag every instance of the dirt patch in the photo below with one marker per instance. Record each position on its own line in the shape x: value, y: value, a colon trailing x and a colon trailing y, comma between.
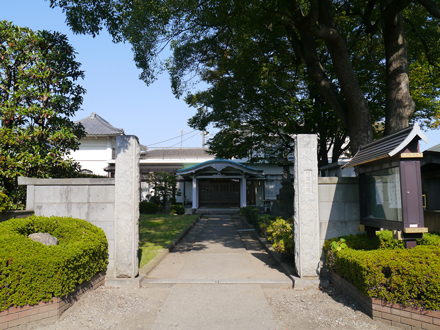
x: 316, y: 309
x: 112, y: 308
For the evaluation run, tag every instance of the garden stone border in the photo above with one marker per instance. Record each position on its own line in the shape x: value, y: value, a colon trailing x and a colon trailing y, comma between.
x: 390, y: 313
x: 15, y: 214
x: 18, y: 316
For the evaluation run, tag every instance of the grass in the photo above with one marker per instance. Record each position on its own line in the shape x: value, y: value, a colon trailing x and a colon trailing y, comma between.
x: 156, y: 231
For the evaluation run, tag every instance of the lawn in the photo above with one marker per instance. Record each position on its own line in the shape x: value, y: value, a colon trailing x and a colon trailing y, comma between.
x: 158, y: 230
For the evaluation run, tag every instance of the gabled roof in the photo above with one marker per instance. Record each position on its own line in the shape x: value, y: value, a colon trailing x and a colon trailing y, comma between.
x: 435, y: 148
x: 169, y: 152
x: 219, y: 164
x: 96, y: 125
x: 387, y: 146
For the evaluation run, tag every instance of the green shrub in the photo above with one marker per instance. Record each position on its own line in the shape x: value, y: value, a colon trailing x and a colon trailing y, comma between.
x: 251, y: 214
x: 177, y: 209
x: 31, y: 272
x: 155, y: 200
x: 5, y: 203
x: 380, y: 268
x: 147, y: 207
x: 280, y: 233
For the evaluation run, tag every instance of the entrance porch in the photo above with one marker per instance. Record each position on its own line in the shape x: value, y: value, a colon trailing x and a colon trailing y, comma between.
x: 222, y: 184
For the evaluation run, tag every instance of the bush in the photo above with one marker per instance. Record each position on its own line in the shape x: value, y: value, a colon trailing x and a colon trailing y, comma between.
x: 5, y: 203
x: 31, y: 272
x: 251, y: 214
x: 177, y: 209
x: 380, y: 268
x: 147, y: 207
x: 280, y: 233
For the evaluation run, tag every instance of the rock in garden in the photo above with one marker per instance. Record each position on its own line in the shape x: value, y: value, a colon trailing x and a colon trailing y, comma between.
x: 45, y: 238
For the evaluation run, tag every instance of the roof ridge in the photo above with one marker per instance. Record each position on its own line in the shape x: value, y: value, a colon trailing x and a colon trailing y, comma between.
x: 106, y: 123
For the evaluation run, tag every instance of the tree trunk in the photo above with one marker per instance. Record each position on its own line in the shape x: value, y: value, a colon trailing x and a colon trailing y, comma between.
x: 399, y: 105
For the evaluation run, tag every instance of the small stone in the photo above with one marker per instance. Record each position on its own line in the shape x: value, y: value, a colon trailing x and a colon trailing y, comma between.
x: 45, y: 238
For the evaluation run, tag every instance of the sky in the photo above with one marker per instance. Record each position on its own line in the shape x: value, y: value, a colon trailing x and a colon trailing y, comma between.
x: 114, y: 90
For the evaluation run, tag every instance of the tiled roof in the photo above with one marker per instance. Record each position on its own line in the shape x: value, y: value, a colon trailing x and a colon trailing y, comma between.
x: 219, y: 164
x: 96, y: 125
x: 167, y: 152
x: 435, y: 148
x: 387, y: 146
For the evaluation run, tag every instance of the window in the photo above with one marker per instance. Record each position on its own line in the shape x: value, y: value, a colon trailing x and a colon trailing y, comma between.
x: 382, y: 193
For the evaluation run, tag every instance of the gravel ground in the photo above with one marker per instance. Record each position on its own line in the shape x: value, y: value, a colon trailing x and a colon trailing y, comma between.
x: 316, y: 309
x: 112, y: 308
x: 122, y: 308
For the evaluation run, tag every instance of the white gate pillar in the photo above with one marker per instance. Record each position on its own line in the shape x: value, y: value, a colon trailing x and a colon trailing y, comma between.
x: 127, y: 192
x: 306, y: 215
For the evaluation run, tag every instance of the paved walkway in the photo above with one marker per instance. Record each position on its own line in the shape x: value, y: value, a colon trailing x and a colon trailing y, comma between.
x: 217, y: 273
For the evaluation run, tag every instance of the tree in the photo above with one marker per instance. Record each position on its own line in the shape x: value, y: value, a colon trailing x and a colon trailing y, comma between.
x: 38, y: 96
x: 164, y: 186
x: 329, y: 39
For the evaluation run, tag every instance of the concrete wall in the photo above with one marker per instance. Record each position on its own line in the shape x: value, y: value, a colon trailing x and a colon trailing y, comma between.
x: 89, y: 199
x: 338, y: 207
x: 111, y: 204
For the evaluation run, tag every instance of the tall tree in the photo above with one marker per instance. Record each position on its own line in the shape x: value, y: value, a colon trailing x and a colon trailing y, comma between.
x: 38, y: 97
x: 328, y: 37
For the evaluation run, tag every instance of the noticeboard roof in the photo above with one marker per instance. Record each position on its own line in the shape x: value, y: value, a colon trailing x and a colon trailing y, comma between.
x: 387, y: 146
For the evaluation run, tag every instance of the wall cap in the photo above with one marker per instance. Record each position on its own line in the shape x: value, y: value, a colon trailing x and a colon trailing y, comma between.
x: 23, y: 181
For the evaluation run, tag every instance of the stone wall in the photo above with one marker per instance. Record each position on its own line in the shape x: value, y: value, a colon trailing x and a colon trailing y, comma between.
x: 338, y: 207
x: 89, y: 199
x: 111, y: 204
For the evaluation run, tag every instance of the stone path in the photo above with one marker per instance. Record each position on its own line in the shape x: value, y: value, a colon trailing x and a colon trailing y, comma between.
x: 216, y: 280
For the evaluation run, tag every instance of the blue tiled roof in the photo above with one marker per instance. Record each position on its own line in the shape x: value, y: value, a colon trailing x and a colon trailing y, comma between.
x: 218, y: 161
x: 96, y: 125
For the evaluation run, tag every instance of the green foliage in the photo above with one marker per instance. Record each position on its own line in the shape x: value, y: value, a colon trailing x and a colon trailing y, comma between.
x: 251, y: 214
x: 177, y: 209
x: 277, y: 230
x: 383, y: 269
x: 31, y: 272
x: 157, y: 231
x: 259, y: 55
x: 38, y: 98
x: 338, y: 245
x: 5, y: 203
x: 147, y: 207
x: 280, y: 233
x: 164, y: 186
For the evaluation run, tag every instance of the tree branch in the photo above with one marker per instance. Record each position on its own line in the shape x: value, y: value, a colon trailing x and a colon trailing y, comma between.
x: 431, y: 6
x: 423, y: 41
x: 370, y: 28
x: 394, y: 7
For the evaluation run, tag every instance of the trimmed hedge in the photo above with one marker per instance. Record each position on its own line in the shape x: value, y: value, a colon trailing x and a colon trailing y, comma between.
x: 5, y: 203
x: 31, y: 272
x: 147, y: 207
x: 382, y: 269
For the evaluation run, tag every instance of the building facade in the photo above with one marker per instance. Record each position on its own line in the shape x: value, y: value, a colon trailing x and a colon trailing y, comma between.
x: 203, y: 181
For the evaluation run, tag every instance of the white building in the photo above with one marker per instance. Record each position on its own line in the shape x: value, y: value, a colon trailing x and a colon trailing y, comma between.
x: 97, y: 148
x: 203, y: 180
